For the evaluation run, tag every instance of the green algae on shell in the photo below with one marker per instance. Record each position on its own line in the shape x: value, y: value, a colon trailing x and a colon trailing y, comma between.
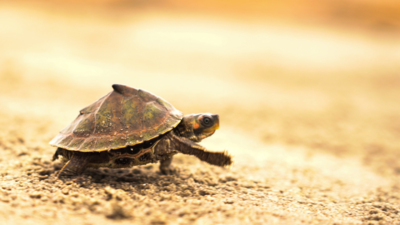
x: 124, y: 117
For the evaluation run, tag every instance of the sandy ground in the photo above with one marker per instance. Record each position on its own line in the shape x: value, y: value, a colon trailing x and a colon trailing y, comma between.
x: 314, y: 130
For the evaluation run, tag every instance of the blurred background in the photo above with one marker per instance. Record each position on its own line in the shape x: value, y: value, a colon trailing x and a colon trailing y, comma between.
x: 307, y: 92
x: 323, y: 75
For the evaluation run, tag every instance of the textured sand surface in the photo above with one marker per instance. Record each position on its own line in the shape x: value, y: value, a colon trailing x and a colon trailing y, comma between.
x: 315, y: 136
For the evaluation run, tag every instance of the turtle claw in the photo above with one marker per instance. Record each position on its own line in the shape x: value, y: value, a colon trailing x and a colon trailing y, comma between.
x: 169, y: 170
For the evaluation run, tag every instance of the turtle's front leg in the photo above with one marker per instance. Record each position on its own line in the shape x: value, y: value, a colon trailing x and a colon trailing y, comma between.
x: 76, y: 165
x: 186, y: 146
x: 165, y: 166
x: 165, y: 152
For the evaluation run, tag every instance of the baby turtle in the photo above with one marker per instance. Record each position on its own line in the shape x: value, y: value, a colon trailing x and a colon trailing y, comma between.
x: 129, y: 127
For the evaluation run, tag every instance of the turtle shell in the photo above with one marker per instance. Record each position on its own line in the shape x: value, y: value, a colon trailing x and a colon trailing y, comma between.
x: 124, y: 117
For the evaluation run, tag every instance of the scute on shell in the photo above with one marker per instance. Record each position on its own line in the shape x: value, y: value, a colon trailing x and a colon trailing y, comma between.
x: 124, y: 117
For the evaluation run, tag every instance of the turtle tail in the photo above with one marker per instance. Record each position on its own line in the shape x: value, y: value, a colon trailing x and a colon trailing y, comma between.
x: 76, y: 164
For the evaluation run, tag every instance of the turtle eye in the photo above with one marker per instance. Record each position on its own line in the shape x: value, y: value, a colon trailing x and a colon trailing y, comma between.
x: 207, y: 121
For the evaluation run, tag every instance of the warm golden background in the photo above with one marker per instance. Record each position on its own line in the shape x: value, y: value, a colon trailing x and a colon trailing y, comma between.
x: 308, y: 94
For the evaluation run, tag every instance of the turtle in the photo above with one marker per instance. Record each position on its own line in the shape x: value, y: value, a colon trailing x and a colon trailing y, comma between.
x: 129, y: 127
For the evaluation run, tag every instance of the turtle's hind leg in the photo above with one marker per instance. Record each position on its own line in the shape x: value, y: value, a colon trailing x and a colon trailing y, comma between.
x: 57, y: 153
x: 76, y: 164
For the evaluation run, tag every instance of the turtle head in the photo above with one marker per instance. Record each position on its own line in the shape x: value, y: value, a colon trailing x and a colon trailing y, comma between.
x: 196, y: 127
